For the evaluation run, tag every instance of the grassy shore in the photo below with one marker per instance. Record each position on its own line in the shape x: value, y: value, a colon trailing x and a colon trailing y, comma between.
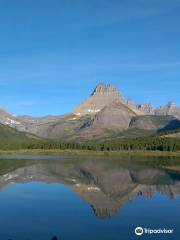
x: 88, y: 152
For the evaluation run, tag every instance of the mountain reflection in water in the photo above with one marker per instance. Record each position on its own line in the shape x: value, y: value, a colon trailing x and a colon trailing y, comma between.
x: 106, y: 184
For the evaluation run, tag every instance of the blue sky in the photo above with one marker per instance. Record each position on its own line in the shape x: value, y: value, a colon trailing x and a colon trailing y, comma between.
x: 54, y: 52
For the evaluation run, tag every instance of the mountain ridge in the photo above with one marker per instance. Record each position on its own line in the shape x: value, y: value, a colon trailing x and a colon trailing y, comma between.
x: 105, y: 113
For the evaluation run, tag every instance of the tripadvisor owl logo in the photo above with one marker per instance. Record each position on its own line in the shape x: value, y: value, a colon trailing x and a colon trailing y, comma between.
x: 139, y: 231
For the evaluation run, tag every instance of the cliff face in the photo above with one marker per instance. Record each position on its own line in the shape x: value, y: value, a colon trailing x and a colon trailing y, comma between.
x: 146, y: 108
x: 102, y: 96
x: 114, y: 116
x: 169, y: 109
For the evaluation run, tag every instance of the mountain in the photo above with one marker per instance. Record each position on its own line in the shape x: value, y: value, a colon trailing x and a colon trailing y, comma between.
x: 65, y: 128
x: 105, y: 114
x: 169, y: 109
x: 152, y: 122
x: 10, y: 134
x: 109, y: 121
x: 26, y: 123
x: 102, y: 96
x: 105, y: 185
x: 7, y: 118
x: 146, y: 108
x: 116, y: 115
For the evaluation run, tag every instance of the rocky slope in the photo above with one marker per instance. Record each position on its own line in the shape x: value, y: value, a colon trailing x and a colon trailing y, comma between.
x: 26, y: 123
x: 102, y: 96
x: 65, y: 128
x: 114, y: 116
x: 111, y: 120
x: 10, y: 134
x: 151, y: 122
x: 106, y: 113
x: 169, y: 109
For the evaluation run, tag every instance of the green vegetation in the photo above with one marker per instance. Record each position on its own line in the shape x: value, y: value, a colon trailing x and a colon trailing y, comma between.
x: 11, y: 139
x: 171, y: 132
x: 10, y: 134
x: 143, y: 144
x: 136, y: 144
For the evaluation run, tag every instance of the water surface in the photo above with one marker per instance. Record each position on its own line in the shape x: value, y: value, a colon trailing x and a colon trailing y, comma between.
x: 91, y: 198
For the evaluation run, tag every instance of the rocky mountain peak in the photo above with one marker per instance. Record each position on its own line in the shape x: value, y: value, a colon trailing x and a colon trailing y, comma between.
x: 169, y: 109
x: 103, y: 95
x: 2, y: 110
x: 4, y: 113
x: 106, y: 89
x: 146, y: 108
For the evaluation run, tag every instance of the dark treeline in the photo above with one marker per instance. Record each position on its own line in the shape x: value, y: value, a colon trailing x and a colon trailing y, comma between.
x: 138, y: 144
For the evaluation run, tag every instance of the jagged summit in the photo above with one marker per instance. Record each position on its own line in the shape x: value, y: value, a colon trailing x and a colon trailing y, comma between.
x: 169, y: 109
x: 147, y: 108
x: 106, y: 89
x: 103, y: 95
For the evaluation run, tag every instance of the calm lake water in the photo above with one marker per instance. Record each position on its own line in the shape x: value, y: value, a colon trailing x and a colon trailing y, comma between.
x: 88, y: 198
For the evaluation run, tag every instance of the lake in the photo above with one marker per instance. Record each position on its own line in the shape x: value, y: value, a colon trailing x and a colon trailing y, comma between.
x: 89, y: 198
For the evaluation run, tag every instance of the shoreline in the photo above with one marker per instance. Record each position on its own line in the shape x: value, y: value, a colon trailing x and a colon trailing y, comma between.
x: 75, y: 152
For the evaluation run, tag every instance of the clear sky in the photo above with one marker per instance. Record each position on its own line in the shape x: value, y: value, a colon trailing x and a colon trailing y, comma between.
x: 54, y: 52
